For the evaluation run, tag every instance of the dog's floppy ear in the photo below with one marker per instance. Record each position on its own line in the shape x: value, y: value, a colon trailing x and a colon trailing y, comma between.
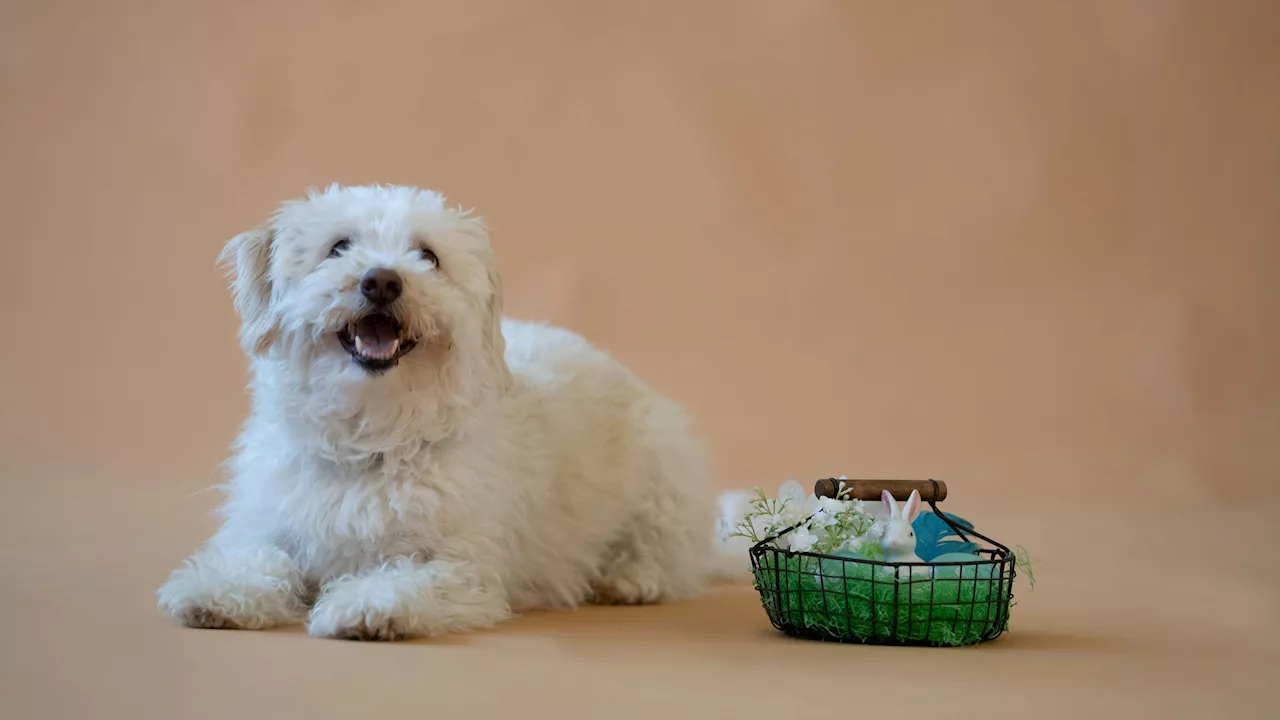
x: 247, y: 259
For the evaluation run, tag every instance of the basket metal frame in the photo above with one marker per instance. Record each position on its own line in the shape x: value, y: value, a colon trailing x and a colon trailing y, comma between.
x: 1003, y: 572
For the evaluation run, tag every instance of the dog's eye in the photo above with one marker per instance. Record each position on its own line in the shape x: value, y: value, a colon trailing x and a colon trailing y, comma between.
x: 339, y: 247
x: 429, y: 256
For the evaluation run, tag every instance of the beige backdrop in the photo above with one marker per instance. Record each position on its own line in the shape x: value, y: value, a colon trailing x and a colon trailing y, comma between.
x: 1026, y: 247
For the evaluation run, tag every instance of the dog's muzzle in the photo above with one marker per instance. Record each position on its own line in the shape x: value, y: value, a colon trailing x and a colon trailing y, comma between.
x: 376, y: 340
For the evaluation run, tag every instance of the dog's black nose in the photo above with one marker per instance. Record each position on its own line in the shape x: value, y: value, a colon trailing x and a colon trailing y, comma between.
x: 381, y: 286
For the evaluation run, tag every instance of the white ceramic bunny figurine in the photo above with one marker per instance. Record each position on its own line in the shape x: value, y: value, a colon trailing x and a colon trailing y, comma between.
x: 899, y: 540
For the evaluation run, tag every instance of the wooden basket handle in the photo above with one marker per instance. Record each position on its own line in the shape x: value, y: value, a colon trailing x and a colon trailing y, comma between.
x: 934, y: 490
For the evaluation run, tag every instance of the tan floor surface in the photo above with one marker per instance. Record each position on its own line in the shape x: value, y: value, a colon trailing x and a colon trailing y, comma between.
x: 1175, y: 633
x: 1029, y: 248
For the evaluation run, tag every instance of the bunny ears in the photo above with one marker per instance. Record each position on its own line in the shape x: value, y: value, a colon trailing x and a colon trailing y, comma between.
x: 909, y: 512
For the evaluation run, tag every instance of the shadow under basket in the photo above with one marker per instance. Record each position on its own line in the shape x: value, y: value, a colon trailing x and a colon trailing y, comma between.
x: 852, y: 600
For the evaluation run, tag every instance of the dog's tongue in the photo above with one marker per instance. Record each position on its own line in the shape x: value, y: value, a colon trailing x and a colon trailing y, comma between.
x: 376, y: 336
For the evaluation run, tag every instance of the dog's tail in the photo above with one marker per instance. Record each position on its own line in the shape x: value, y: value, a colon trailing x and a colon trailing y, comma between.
x: 732, y: 558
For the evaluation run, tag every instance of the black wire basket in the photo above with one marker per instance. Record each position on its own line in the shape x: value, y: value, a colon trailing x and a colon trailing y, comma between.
x: 853, y: 600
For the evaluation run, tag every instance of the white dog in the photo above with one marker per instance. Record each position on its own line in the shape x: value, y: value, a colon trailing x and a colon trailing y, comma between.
x: 413, y: 465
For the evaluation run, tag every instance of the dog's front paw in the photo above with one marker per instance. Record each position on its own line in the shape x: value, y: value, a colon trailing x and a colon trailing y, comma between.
x: 406, y: 599
x: 352, y: 623
x: 212, y: 618
x: 245, y: 593
x: 344, y: 613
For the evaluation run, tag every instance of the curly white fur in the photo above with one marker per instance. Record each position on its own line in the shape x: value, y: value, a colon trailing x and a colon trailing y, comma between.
x: 498, y: 467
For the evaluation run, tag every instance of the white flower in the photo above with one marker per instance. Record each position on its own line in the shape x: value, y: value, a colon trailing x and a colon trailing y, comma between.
x: 802, y: 540
x: 791, y: 491
x: 830, y: 506
x: 778, y: 521
x: 735, y: 510
x: 875, y: 532
x: 823, y: 519
x: 853, y: 545
x: 791, y: 495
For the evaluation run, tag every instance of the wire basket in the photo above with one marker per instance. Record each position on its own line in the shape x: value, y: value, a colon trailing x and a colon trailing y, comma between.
x: 853, y: 600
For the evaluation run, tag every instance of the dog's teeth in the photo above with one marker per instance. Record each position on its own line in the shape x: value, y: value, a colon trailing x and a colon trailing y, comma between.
x: 359, y: 345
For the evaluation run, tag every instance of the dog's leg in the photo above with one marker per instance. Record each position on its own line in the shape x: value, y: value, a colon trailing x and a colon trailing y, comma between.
x: 663, y: 556
x: 404, y: 598
x: 630, y: 576
x: 666, y: 551
x: 245, y: 588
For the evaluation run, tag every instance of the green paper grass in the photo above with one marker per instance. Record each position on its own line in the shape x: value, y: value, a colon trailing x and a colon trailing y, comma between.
x: 853, y: 601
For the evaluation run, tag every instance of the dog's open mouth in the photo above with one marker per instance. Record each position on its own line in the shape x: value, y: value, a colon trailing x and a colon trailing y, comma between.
x: 376, y: 341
